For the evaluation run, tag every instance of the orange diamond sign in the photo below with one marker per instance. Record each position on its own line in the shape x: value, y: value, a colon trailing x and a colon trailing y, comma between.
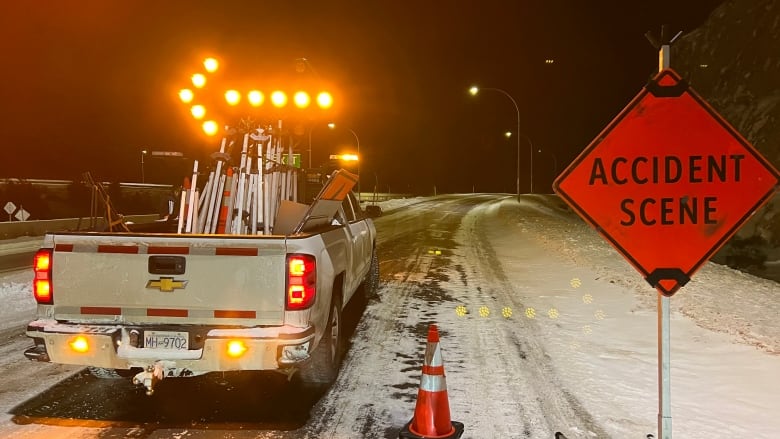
x: 667, y: 182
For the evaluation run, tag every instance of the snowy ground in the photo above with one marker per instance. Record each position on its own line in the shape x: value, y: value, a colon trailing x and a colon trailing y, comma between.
x: 598, y: 320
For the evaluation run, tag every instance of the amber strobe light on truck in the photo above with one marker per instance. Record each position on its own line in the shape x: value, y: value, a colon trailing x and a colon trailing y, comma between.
x: 42, y: 281
x: 301, y: 281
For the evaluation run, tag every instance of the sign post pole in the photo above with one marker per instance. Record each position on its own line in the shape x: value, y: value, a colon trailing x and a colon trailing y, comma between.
x: 664, y: 327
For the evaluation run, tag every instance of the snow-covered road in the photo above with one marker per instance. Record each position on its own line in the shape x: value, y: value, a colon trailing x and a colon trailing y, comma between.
x: 544, y: 328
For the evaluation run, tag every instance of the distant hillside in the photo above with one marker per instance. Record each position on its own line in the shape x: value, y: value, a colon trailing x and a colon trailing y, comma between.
x: 733, y: 61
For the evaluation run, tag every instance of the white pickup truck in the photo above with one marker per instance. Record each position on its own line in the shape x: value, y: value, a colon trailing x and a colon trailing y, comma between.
x: 159, y: 305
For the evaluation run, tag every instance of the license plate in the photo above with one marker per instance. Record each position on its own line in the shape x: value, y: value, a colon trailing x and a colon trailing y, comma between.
x: 166, y: 340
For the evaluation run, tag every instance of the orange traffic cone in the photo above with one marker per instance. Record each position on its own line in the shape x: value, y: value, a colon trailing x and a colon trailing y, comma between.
x: 432, y: 412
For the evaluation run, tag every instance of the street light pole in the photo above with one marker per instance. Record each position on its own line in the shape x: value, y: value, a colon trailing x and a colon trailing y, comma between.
x: 143, y: 176
x: 359, y: 160
x: 474, y: 90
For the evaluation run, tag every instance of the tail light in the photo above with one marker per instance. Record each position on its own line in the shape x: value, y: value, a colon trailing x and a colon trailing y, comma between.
x: 301, y: 281
x: 42, y: 289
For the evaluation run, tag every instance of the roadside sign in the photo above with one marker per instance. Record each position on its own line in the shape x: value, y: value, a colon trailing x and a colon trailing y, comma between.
x: 296, y: 160
x: 9, y: 207
x: 22, y: 214
x: 667, y: 182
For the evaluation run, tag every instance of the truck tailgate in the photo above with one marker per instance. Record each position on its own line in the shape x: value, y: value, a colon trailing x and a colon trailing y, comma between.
x: 153, y: 279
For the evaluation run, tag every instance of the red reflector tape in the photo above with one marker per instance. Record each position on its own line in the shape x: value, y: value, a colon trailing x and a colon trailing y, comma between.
x: 230, y: 314
x: 235, y: 251
x: 157, y: 250
x: 156, y: 312
x: 118, y: 249
x: 63, y: 247
x: 101, y: 310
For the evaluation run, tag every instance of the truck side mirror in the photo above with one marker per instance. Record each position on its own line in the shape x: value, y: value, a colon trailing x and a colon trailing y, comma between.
x: 373, y: 211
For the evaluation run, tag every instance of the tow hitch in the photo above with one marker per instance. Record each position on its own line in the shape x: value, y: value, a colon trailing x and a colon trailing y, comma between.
x: 156, y: 372
x: 153, y: 374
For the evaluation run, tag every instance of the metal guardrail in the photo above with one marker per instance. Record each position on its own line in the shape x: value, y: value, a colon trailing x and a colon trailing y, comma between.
x: 16, y: 229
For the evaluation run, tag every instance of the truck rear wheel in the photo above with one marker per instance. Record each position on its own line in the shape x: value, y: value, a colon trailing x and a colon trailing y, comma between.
x: 323, y: 367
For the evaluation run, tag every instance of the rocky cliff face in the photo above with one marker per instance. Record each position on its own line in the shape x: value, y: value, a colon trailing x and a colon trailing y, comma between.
x: 733, y: 61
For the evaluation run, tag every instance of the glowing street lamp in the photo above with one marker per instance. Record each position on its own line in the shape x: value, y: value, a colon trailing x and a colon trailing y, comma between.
x: 473, y: 91
x: 357, y: 142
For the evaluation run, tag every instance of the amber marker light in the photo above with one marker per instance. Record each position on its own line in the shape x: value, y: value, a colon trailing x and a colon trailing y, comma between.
x: 211, y: 64
x: 236, y: 348
x: 232, y: 97
x: 198, y: 80
x: 301, y: 99
x: 79, y: 344
x: 186, y: 95
x: 278, y: 98
x: 255, y: 98
x: 324, y: 100
x: 210, y: 127
x: 198, y: 111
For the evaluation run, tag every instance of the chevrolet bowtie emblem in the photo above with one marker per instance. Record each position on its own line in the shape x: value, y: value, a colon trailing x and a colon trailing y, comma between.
x: 166, y: 284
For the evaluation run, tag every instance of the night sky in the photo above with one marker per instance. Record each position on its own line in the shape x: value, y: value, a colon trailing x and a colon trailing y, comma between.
x: 88, y: 85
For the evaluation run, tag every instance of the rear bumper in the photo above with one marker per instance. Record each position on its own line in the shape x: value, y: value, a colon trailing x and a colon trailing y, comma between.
x: 118, y: 347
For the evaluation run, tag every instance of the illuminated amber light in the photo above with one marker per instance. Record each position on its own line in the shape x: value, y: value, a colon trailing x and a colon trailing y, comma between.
x: 324, y: 100
x: 530, y: 313
x: 232, y: 97
x: 278, y: 98
x: 211, y: 65
x: 348, y: 157
x: 42, y: 289
x: 236, y: 348
x: 576, y: 282
x: 461, y: 310
x: 506, y: 312
x: 484, y: 311
x: 79, y: 344
x: 301, y: 99
x: 198, y: 80
x: 198, y: 111
x: 186, y: 95
x: 255, y: 98
x: 600, y: 315
x: 553, y: 313
x: 587, y: 298
x: 210, y: 127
